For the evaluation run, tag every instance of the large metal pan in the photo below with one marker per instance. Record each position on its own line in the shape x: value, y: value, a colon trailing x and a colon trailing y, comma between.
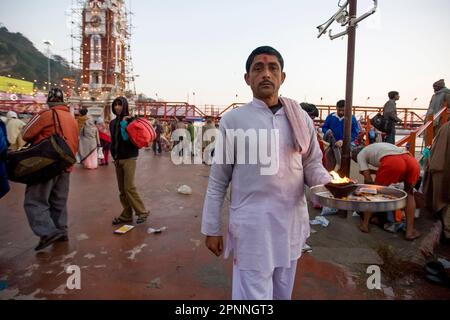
x: 327, y: 200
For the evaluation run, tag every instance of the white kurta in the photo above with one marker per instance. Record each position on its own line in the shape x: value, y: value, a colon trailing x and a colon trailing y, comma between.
x: 269, y: 221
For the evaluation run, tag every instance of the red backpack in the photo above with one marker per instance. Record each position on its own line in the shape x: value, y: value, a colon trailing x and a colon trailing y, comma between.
x: 141, y: 132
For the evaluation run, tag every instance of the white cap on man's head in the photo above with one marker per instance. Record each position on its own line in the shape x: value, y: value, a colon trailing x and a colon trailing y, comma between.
x: 11, y: 115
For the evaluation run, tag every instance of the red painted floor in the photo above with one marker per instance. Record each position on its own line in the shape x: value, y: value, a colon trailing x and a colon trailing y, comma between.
x: 172, y: 265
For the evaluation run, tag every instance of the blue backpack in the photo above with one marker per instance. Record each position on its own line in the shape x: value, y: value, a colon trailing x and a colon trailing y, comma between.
x: 3, y: 139
x: 4, y: 185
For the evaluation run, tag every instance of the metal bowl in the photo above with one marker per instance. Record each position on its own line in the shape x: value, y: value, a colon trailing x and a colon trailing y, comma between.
x: 341, y: 190
x: 326, y: 199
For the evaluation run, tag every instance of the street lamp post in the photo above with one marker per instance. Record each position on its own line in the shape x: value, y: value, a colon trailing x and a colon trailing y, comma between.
x: 345, y: 160
x: 350, y: 20
x: 48, y: 44
x: 367, y: 101
x: 134, y: 83
x: 412, y: 102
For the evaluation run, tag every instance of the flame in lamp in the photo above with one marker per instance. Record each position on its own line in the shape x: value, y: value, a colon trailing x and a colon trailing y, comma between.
x: 338, y: 180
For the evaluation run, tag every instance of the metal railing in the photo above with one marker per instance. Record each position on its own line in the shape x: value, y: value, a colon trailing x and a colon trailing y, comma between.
x: 168, y: 110
x: 411, y: 117
x: 427, y: 128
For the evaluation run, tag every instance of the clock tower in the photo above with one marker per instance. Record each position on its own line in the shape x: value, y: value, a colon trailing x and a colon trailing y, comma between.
x: 104, y: 38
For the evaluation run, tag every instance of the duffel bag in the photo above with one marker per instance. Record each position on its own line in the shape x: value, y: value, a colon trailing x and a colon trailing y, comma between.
x: 380, y: 122
x: 40, y: 162
x: 141, y: 132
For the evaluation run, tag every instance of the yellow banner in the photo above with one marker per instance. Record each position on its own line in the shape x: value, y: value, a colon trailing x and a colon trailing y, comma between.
x: 12, y: 85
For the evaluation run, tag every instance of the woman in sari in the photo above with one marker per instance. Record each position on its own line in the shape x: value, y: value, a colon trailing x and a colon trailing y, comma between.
x: 89, y: 142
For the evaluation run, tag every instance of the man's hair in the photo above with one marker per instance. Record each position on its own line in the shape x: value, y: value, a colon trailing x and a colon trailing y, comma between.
x: 340, y: 104
x: 55, y: 95
x: 263, y: 50
x: 83, y: 111
x: 392, y: 94
x: 355, y: 151
x: 310, y: 108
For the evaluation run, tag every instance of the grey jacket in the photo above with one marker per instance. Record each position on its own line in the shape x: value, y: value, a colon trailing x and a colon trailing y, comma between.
x: 390, y: 111
x: 437, y: 100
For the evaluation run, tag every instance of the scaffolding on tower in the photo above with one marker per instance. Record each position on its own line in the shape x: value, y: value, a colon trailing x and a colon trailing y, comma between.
x: 74, y: 20
x: 130, y: 84
x: 101, y: 49
x: 76, y: 29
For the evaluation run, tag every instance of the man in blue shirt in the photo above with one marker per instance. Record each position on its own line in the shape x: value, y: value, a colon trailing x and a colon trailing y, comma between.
x: 333, y: 130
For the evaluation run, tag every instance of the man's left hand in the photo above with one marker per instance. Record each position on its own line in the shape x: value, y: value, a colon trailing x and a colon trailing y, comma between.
x: 214, y: 244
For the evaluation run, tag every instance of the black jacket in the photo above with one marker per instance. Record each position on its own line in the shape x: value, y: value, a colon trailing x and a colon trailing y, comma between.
x: 121, y: 149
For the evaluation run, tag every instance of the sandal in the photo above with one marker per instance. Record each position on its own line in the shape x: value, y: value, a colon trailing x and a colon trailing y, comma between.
x: 141, y: 219
x: 48, y: 240
x: 117, y: 221
x: 435, y: 273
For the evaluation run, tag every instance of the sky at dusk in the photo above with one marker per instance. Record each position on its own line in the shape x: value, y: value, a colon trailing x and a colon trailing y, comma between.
x: 181, y: 47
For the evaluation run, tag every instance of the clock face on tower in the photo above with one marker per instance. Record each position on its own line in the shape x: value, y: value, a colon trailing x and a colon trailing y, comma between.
x: 95, y: 21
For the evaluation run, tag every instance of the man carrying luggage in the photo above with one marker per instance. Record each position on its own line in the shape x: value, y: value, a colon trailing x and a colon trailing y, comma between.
x: 46, y: 202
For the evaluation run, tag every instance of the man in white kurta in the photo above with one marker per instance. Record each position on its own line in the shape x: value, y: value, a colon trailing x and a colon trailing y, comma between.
x: 269, y: 221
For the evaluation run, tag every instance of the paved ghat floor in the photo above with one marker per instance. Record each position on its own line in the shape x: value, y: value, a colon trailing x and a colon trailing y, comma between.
x: 172, y: 265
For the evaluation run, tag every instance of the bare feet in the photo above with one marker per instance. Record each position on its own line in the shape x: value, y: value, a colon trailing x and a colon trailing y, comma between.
x: 364, y: 228
x: 415, y: 234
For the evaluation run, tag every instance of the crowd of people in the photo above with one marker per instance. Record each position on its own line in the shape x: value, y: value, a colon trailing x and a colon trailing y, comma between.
x: 92, y: 140
x: 269, y: 219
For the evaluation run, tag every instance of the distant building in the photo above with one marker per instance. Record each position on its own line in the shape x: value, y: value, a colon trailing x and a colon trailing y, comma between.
x: 103, y: 54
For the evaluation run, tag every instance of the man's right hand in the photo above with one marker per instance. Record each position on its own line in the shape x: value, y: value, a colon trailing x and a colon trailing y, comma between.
x: 215, y: 244
x: 339, y: 143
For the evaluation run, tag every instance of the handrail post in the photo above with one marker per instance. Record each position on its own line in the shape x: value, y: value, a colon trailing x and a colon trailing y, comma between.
x: 367, y: 131
x: 412, y: 121
x: 429, y: 131
x: 406, y: 119
x: 412, y: 143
